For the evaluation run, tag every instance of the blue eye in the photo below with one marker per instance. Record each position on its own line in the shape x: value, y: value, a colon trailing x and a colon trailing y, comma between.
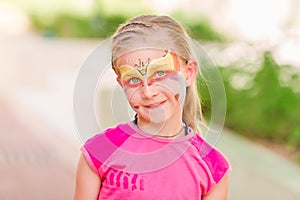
x: 160, y: 74
x: 134, y: 80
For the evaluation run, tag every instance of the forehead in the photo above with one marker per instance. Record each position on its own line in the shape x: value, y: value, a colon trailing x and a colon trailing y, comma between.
x: 143, y: 54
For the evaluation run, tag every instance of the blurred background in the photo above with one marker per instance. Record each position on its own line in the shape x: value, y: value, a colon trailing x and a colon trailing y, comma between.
x: 255, y: 44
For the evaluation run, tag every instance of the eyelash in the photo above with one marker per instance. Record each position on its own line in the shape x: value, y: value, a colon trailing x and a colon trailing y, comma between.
x: 157, y: 74
x: 131, y: 82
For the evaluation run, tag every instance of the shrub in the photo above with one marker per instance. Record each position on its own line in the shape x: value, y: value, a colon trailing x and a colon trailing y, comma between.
x: 68, y: 25
x: 103, y: 26
x: 269, y: 108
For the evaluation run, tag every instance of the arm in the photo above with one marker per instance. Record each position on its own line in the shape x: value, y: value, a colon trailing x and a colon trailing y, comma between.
x: 87, y: 182
x: 219, y: 192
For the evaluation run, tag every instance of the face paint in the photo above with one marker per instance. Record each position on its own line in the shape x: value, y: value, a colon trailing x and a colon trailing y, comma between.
x: 148, y: 73
x: 160, y: 77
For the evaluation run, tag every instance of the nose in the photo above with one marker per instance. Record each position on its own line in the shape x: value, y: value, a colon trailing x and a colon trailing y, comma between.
x: 149, y: 91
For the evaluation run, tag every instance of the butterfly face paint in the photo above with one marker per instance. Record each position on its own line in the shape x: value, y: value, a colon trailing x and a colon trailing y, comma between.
x: 149, y: 72
x: 152, y: 77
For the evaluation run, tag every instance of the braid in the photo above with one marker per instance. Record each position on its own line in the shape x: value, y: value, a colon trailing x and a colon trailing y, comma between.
x: 132, y: 25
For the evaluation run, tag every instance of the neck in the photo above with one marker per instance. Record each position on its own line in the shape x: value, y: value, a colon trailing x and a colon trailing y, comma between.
x: 171, y: 128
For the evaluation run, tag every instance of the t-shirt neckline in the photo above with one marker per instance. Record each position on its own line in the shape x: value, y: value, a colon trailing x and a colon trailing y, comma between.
x: 142, y: 134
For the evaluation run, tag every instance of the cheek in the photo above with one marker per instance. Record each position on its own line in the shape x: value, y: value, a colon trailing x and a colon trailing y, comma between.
x: 133, y: 95
x: 175, y: 86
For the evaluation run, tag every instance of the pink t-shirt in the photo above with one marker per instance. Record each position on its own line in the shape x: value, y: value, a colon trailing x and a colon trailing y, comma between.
x: 135, y: 165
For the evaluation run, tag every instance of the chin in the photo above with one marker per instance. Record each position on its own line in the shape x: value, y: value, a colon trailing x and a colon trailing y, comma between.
x: 154, y: 117
x: 158, y: 119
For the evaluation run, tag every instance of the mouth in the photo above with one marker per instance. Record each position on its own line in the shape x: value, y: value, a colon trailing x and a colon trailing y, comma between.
x: 154, y: 105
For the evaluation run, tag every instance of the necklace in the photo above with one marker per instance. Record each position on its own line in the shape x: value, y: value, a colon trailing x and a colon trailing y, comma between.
x: 171, y: 136
x: 186, y: 130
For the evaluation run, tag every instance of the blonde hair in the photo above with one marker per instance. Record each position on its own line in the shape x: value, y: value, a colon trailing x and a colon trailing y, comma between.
x: 166, y: 33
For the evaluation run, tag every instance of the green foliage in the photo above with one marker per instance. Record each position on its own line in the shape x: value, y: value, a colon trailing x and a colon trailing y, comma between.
x: 267, y: 108
x: 204, y: 31
x: 69, y: 25
x: 198, y: 27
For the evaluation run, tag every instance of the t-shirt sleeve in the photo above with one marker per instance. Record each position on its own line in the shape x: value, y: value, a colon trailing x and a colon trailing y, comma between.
x: 88, y: 152
x: 217, y: 164
x: 98, y: 149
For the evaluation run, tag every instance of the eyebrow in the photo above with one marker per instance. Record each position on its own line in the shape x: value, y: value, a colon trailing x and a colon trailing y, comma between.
x: 131, y: 74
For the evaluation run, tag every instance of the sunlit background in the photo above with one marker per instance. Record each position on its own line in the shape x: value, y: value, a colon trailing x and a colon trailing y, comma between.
x: 255, y: 44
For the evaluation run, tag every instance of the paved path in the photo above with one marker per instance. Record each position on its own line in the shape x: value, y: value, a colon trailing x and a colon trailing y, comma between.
x: 39, y: 146
x: 257, y: 172
x: 30, y: 167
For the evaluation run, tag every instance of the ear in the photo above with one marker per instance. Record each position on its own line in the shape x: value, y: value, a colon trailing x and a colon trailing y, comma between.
x: 190, y: 72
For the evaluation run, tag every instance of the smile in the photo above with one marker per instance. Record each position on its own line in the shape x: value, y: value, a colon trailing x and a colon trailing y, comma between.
x: 154, y: 105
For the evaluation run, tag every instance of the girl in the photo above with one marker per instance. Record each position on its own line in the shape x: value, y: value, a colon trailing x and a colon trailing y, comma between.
x: 158, y: 155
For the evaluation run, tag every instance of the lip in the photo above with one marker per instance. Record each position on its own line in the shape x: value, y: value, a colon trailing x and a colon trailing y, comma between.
x: 154, y: 105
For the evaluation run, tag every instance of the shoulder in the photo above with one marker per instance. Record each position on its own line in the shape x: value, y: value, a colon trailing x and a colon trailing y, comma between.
x: 99, y: 148
x: 113, y: 135
x: 217, y: 163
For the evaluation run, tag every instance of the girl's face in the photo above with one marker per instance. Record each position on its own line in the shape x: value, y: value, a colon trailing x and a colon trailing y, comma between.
x: 153, y: 83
